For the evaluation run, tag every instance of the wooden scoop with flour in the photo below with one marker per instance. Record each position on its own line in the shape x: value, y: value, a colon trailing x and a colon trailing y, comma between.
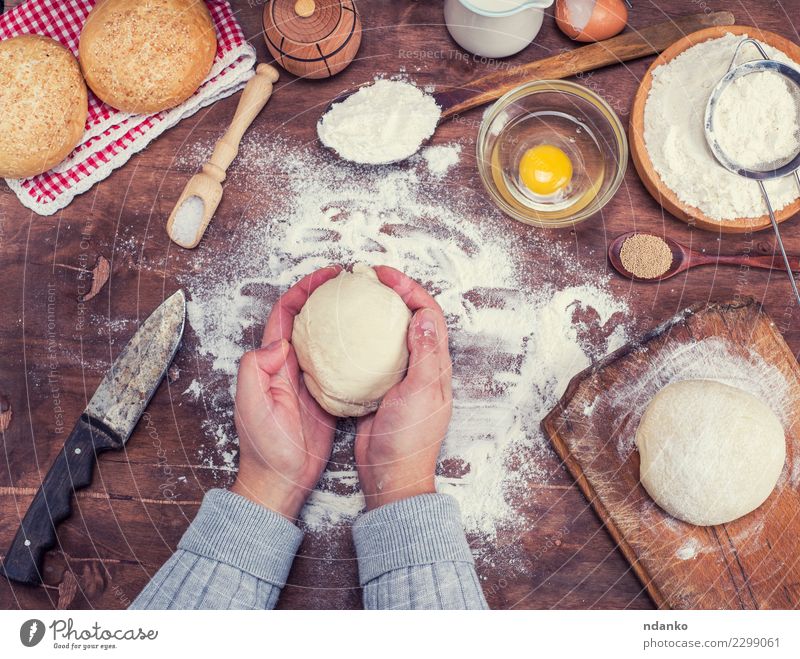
x: 199, y: 200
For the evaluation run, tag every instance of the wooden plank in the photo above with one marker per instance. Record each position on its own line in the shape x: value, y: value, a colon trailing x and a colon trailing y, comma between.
x: 749, y: 563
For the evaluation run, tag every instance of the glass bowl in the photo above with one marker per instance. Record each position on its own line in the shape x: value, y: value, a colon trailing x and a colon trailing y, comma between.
x: 552, y: 113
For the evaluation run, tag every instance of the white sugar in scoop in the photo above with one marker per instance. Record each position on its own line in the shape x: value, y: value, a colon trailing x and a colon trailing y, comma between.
x: 381, y: 123
x: 199, y: 200
x: 188, y: 220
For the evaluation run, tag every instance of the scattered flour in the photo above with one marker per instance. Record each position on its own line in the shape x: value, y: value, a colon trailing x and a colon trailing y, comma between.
x: 688, y: 549
x: 520, y: 329
x: 588, y: 409
x: 381, y: 123
x: 194, y: 390
x: 441, y: 158
x: 675, y: 136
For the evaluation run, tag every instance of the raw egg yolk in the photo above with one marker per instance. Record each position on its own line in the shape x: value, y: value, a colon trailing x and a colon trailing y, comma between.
x: 545, y: 169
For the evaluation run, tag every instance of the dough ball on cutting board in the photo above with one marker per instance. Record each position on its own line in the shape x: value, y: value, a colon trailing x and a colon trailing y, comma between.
x: 710, y: 453
x: 44, y: 102
x: 144, y: 56
x: 350, y: 340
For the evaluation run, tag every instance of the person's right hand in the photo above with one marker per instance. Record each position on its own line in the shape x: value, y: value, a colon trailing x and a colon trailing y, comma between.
x: 397, y: 447
x: 285, y: 437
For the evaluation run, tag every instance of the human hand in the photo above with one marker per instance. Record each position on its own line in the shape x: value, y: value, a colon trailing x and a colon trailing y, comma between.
x: 285, y: 437
x: 397, y: 447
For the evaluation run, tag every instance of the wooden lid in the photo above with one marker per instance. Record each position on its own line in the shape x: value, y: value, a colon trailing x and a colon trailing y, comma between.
x: 306, y: 21
x: 312, y: 38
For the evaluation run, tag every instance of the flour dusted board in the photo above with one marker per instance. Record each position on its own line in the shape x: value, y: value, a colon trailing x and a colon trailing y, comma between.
x: 752, y: 562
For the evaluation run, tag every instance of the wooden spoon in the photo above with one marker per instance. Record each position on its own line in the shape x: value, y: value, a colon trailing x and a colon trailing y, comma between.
x: 684, y: 258
x: 204, y: 189
x: 632, y: 45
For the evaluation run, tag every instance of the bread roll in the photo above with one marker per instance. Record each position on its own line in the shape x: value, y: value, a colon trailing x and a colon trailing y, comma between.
x: 144, y: 56
x: 44, y: 102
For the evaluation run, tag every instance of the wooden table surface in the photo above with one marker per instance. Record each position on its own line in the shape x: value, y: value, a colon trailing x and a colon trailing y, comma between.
x: 53, y: 350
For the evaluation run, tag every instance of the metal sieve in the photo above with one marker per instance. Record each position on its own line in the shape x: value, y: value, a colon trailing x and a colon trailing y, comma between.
x: 768, y: 170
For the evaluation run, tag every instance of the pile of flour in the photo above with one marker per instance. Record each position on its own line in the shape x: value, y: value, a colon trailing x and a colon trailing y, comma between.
x: 674, y: 130
x: 520, y: 328
x: 381, y: 123
x: 756, y: 121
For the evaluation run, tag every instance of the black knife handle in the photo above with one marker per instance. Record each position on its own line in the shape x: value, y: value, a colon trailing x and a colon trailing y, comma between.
x: 72, y: 470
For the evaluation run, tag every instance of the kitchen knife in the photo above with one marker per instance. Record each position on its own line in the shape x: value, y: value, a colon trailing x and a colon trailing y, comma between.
x: 105, y: 425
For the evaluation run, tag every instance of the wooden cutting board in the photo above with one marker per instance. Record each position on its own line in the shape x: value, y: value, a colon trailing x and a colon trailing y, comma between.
x: 753, y: 562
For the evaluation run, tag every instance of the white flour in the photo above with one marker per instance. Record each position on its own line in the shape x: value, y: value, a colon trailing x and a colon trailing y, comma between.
x: 194, y: 390
x: 688, y: 550
x: 520, y: 328
x: 756, y: 120
x: 381, y: 123
x: 675, y: 137
x: 441, y: 158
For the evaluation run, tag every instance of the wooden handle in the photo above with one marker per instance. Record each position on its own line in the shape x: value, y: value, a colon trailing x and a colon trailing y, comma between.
x: 629, y: 46
x: 763, y: 261
x: 72, y: 470
x: 254, y: 97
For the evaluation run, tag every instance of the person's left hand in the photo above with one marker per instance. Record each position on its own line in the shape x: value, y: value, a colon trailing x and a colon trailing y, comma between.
x: 285, y: 437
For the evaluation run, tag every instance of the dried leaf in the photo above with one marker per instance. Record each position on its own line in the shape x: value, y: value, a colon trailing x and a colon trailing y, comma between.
x: 100, y: 274
x: 66, y: 590
x: 5, y: 413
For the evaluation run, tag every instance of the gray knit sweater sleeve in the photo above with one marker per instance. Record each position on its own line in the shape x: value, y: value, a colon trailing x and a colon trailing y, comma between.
x: 412, y: 554
x: 235, y: 555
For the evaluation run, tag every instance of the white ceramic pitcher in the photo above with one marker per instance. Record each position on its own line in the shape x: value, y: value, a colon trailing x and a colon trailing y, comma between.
x: 494, y: 28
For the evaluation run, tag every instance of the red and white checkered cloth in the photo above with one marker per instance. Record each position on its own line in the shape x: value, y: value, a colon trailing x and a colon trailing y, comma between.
x: 112, y: 137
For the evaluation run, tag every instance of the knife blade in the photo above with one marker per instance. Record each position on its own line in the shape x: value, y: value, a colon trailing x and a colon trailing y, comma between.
x: 105, y: 425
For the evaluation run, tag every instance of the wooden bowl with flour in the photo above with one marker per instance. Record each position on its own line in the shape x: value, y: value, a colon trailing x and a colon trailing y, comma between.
x: 663, y: 194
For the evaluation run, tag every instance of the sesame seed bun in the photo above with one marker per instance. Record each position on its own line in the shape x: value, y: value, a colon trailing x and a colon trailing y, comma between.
x: 44, y: 101
x: 144, y: 56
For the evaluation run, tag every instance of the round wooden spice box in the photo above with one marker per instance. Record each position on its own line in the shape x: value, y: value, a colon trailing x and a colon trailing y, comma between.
x: 312, y: 38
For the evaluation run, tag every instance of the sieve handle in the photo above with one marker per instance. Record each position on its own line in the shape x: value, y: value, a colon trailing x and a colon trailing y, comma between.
x: 752, y: 42
x: 779, y: 239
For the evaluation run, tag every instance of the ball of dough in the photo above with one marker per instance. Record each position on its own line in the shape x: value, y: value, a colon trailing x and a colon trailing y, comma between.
x: 144, y: 56
x: 350, y: 340
x: 44, y: 102
x: 710, y: 453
